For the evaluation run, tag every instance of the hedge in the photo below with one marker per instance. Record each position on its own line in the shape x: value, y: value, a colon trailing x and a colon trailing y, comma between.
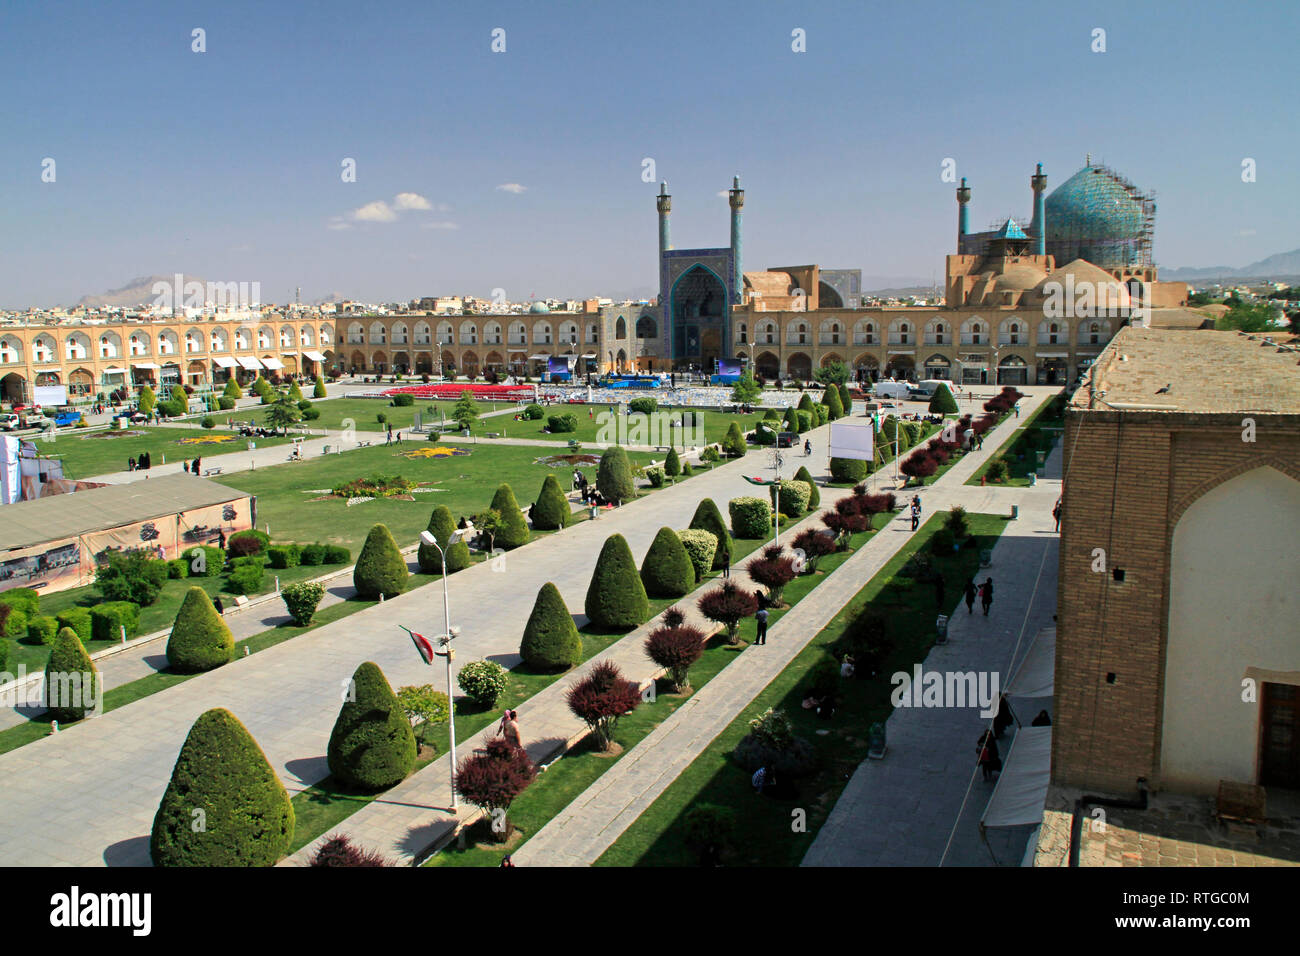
x: 312, y: 555
x: 557, y: 424
x: 109, y: 618
x: 41, y: 629
x: 243, y: 543
x: 380, y: 569
x: 701, y: 546
x: 199, y: 639
x: 616, y: 598
x: 514, y: 529
x: 707, y: 517
x: 403, y: 400
x: 372, y: 746
x: 667, y: 570
x: 77, y: 619
x: 643, y: 406
x: 14, y: 622
x: 246, y: 579
x: 178, y: 569
x: 792, y: 498
x: 284, y: 556
x: 750, y: 517
x: 25, y: 599
x: 337, y: 554
x: 247, y: 817
x: 550, y: 640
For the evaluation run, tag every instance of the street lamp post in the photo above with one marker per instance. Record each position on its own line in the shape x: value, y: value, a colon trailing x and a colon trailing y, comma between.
x: 448, y: 652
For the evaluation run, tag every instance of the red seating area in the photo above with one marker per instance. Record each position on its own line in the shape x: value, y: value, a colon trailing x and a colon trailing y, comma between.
x: 452, y: 390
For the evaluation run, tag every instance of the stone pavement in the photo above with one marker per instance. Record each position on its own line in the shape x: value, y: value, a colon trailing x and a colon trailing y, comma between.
x: 594, y: 820
x: 903, y: 810
x: 288, y: 695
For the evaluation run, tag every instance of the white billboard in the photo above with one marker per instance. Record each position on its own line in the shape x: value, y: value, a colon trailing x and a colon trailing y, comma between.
x: 50, y: 395
x: 852, y: 440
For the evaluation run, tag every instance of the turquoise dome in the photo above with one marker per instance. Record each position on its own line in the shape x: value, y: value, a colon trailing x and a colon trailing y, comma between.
x: 1098, y: 216
x: 539, y: 308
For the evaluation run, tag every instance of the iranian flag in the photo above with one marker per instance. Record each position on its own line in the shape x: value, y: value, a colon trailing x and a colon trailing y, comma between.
x: 757, y: 481
x: 421, y: 644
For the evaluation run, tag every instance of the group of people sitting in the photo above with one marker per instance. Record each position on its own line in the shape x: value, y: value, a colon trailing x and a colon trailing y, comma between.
x: 258, y: 431
x: 590, y: 496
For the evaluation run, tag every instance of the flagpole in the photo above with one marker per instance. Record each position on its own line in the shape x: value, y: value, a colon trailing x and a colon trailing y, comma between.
x: 450, y: 654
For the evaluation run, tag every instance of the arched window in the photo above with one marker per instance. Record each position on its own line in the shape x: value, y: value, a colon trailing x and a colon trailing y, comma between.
x: 742, y: 331
x: 647, y: 328
x: 620, y: 328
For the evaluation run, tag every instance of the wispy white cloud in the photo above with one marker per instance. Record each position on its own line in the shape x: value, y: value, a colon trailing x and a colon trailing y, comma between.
x: 337, y: 222
x: 440, y: 224
x: 511, y: 188
x: 405, y: 201
x: 722, y: 193
x: 377, y: 211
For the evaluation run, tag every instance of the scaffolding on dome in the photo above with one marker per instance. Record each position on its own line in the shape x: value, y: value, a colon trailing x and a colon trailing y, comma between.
x: 1093, y: 229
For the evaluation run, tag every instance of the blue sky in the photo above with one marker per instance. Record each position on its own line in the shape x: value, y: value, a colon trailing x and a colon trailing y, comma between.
x: 226, y: 164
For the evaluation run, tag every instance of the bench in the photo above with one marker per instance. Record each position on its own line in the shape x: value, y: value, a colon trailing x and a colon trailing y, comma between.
x: 209, y: 472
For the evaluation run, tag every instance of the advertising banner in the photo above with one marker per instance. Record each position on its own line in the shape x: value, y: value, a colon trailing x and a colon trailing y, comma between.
x: 851, y: 440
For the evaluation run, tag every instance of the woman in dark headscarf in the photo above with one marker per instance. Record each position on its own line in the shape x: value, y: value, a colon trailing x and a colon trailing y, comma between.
x: 1003, y: 720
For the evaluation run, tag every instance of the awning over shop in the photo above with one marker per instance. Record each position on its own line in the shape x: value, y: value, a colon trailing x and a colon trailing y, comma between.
x: 538, y: 358
x: 274, y: 364
x: 1036, y: 675
x: 114, y: 371
x: 224, y: 361
x: 314, y: 356
x: 249, y: 363
x: 148, y: 365
x: 590, y: 355
x: 1021, y: 790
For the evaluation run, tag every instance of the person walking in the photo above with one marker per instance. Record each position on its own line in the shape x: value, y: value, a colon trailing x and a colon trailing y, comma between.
x: 130, y: 464
x: 979, y: 442
x: 807, y: 447
x: 987, y: 749
x: 726, y: 564
x: 986, y: 595
x: 970, y: 596
x: 509, y: 728
x: 916, y: 515
x: 221, y: 538
x: 1056, y: 513
x: 761, y: 617
x: 216, y: 603
x: 195, y: 468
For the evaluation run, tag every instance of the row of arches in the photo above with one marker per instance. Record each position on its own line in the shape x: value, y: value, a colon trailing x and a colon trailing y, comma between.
x: 937, y: 331
x: 138, y: 343
x: 799, y: 365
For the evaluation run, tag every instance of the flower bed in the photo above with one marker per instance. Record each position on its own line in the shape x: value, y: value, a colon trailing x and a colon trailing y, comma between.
x: 453, y: 390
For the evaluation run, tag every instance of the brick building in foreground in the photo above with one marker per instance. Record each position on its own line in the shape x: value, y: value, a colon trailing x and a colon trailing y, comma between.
x: 1178, y: 660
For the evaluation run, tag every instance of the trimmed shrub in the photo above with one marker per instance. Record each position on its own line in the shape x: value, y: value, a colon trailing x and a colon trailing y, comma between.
x: 616, y: 598
x: 178, y: 569
x: 372, y: 746
x: 750, y: 517
x: 246, y: 579
x: 733, y: 445
x: 338, y: 850
x: 601, y: 698
x: 914, y: 431
x: 686, y: 470
x: 199, y: 640
x: 146, y: 401
x: 483, y: 682
x: 667, y: 570
x: 792, y: 498
x: 957, y: 522
x: 997, y: 470
x: 806, y: 421
x: 41, y: 629
x: 814, y: 495
x: 203, y: 561
x: 559, y: 424
x: 491, y: 780
x: 849, y: 469
x: 133, y: 576
x: 76, y: 619
x: 319, y: 390
x: 313, y: 555
x: 710, y: 830
x: 514, y: 529
x: 642, y: 406
x: 710, y: 454
x: 284, y: 556
x: 551, y: 640
x: 109, y: 618
x: 728, y: 605
x: 403, y: 400
x: 13, y: 622
x: 807, y: 404
x: 771, y: 415
x: 672, y: 464
x: 232, y: 389
x: 919, y: 466
x: 707, y: 517
x: 823, y: 414
x: 441, y: 526
x: 942, y: 402
x: 243, y: 543
x: 846, y: 397
x: 534, y: 413
x: 337, y: 554
x: 614, y: 476
x: 310, y: 414
x: 302, y: 599
x: 304, y: 405
x: 550, y: 512
x: 791, y: 422
x: 675, y: 646
x: 771, y: 743
x: 700, y: 547
x: 225, y: 403
x: 834, y: 402
x: 72, y: 681
x: 207, y: 422
x: 248, y: 819
x: 655, y: 476
x: 380, y: 569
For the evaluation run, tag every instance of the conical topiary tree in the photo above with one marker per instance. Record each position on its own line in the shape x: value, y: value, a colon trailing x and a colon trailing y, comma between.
x: 614, y: 476
x: 442, y: 527
x: 791, y: 420
x: 831, y: 399
x: 616, y: 598
x: 807, y: 404
x: 380, y: 569
x: 551, y: 640
x: 551, y: 510
x: 667, y: 570
x: 295, y: 392
x: 846, y: 399
x: 771, y: 415
x: 814, y: 496
x: 672, y: 464
x: 708, y: 518
x: 372, y: 745
x: 232, y: 389
x: 319, y: 390
x: 514, y: 529
x: 224, y: 806
x: 199, y: 640
x: 146, y: 400
x: 942, y: 402
x: 71, y: 678
x: 733, y: 445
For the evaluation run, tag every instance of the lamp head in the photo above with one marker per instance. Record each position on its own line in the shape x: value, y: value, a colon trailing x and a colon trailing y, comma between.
x: 428, y: 538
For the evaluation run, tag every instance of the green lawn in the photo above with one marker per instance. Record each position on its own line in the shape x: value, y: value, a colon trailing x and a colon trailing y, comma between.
x: 364, y: 413
x: 766, y: 837
x: 466, y: 482
x: 567, y: 778
x: 622, y: 430
x: 1039, y: 432
x: 85, y: 454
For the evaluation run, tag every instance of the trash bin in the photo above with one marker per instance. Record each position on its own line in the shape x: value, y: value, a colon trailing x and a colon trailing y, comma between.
x: 1015, y: 512
x: 941, y: 629
x: 986, y: 557
x: 1033, y: 480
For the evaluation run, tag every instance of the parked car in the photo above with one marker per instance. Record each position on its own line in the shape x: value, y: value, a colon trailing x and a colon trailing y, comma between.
x: 786, y: 440
x: 9, y: 422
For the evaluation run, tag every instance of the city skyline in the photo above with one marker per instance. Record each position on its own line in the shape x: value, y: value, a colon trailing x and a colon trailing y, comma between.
x: 523, y: 170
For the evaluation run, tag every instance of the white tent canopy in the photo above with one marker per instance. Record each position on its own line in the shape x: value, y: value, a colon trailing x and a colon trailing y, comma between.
x: 1036, y: 675
x: 249, y: 362
x: 224, y: 361
x: 314, y: 356
x: 274, y: 364
x: 1021, y: 790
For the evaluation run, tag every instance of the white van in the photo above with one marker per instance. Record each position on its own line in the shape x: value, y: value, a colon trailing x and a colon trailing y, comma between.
x: 886, y: 388
x: 927, y: 388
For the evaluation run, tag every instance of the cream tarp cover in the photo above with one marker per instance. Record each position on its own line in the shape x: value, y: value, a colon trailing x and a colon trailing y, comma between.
x: 249, y: 363
x: 1021, y: 790
x: 274, y: 364
x: 1036, y: 675
x: 224, y: 361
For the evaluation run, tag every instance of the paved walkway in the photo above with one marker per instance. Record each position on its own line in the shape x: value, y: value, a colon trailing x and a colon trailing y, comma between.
x: 594, y: 820
x: 288, y: 695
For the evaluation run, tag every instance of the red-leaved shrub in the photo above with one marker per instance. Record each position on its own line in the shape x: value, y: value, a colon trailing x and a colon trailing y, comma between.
x: 601, y: 698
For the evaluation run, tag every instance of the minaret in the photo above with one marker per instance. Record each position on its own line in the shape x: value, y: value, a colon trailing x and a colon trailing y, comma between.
x: 664, y: 202
x: 1038, y: 227
x: 736, y: 198
x: 963, y: 214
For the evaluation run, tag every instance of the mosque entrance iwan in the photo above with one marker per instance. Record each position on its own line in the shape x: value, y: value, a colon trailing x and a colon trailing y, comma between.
x: 699, y: 306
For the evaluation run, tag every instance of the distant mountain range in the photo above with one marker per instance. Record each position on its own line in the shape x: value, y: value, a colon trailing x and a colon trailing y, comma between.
x: 139, y: 291
x: 1279, y: 266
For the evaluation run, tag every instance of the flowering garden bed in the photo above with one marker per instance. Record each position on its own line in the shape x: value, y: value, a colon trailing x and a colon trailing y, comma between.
x: 453, y: 390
